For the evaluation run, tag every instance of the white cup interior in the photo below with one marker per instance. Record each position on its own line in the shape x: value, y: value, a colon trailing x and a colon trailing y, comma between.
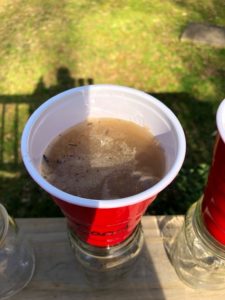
x: 75, y: 105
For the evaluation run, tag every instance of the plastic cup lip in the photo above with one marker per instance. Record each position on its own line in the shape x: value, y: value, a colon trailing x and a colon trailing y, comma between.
x: 220, y: 120
x: 149, y: 193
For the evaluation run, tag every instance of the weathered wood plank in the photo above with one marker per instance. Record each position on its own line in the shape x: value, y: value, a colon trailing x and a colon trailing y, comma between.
x: 59, y: 276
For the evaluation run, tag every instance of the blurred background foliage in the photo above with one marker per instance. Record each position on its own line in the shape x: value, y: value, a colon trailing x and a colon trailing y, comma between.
x: 49, y: 46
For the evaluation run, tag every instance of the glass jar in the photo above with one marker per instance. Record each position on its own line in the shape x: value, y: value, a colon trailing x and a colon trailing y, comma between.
x: 16, y: 257
x: 105, y: 266
x: 197, y: 257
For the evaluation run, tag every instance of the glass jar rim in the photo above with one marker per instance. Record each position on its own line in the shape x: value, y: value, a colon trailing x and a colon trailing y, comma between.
x: 108, y: 251
x: 4, y: 224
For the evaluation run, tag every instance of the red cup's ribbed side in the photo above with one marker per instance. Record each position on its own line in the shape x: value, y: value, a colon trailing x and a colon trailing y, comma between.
x: 103, y: 227
x: 213, y: 205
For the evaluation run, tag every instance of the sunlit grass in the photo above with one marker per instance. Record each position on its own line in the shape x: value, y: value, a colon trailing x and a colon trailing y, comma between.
x: 48, y: 46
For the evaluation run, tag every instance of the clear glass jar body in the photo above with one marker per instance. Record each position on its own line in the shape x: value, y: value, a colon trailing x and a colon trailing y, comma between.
x: 105, y: 266
x: 16, y: 257
x: 197, y: 257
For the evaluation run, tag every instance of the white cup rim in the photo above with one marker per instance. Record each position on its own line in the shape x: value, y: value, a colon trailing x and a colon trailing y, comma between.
x: 220, y: 120
x: 150, y: 193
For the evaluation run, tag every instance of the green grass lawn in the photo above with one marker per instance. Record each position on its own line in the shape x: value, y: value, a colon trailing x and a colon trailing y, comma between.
x: 50, y: 46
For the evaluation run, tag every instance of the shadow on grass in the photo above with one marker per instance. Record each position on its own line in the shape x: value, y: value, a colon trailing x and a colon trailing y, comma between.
x: 198, y: 119
x: 23, y: 198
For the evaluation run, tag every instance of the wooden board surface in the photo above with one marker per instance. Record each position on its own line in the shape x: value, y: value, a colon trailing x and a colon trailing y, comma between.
x: 59, y: 276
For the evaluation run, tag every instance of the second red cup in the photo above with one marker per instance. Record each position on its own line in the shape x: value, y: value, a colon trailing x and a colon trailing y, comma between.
x: 213, y: 204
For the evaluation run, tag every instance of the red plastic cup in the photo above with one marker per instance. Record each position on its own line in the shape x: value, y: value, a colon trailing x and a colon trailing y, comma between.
x: 213, y: 204
x: 102, y: 223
